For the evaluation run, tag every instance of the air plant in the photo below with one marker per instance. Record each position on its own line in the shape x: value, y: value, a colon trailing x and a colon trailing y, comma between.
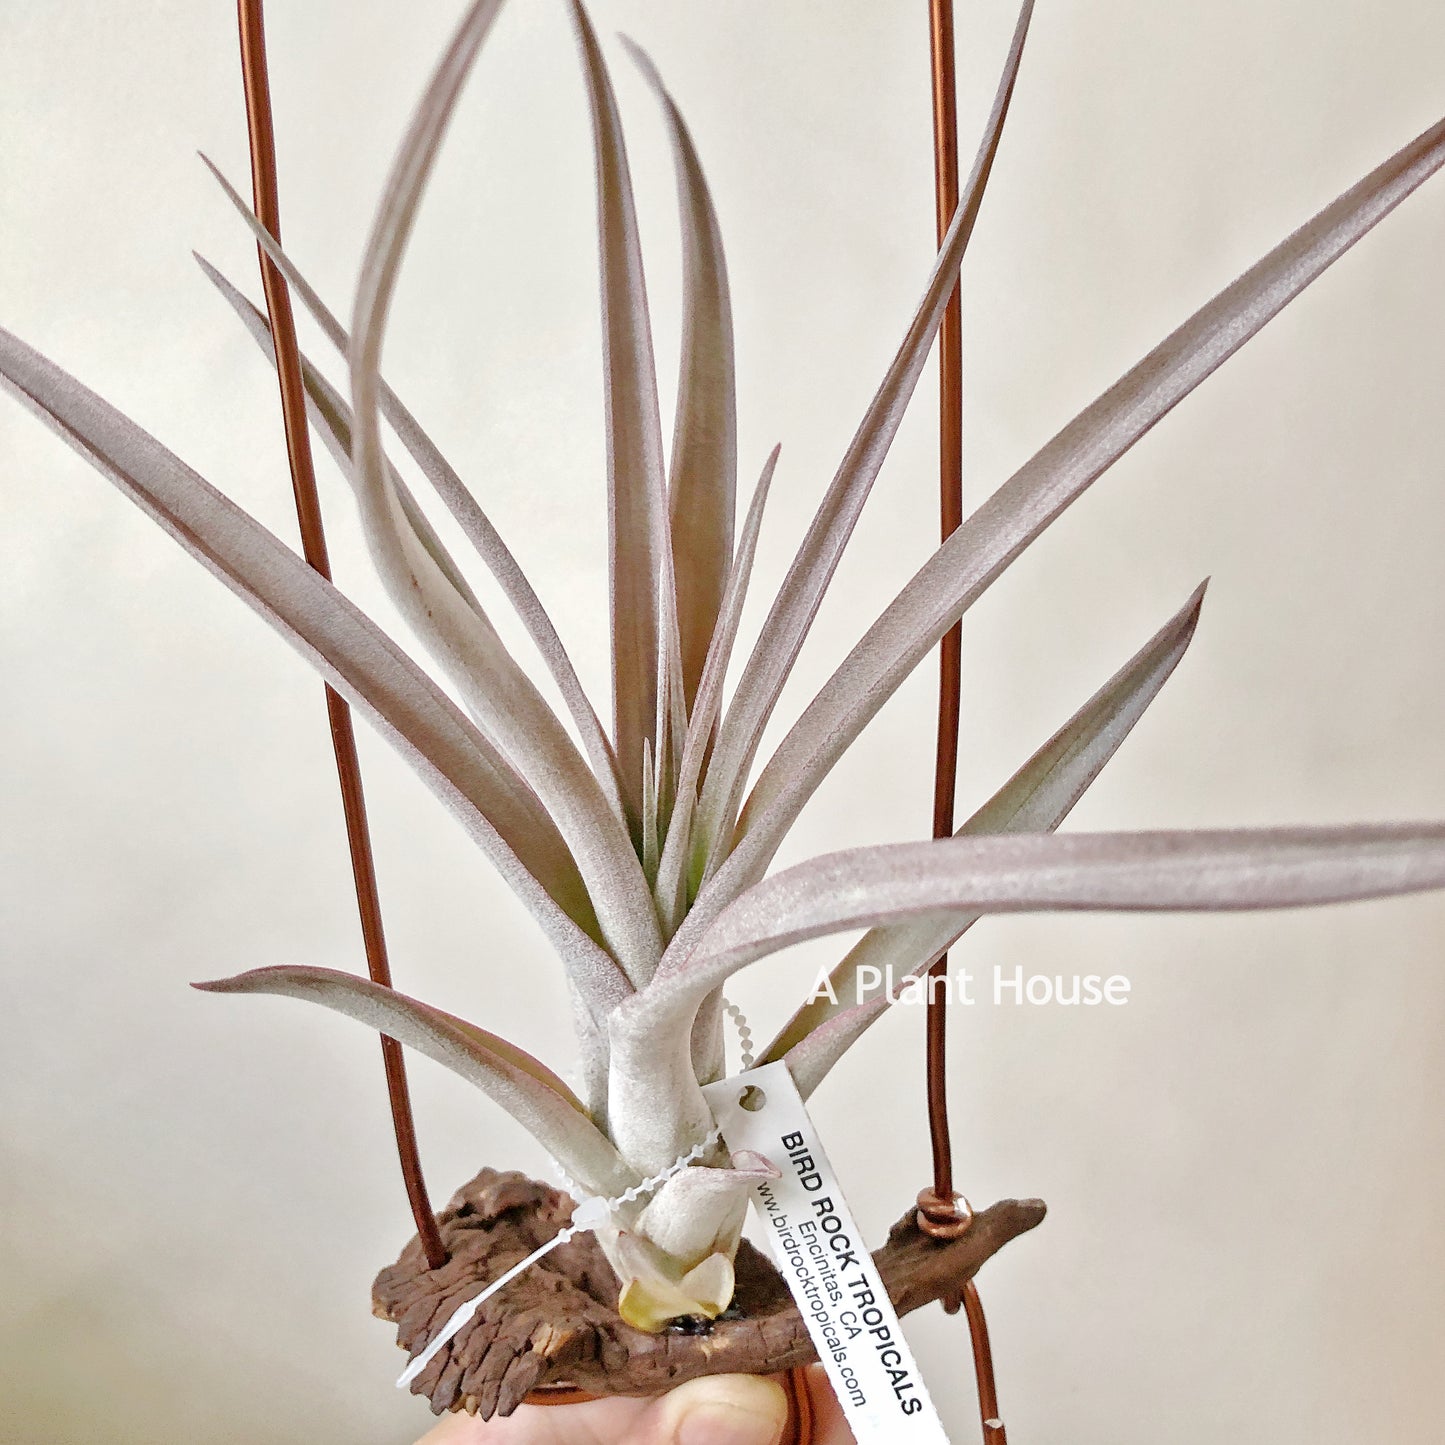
x: 643, y: 850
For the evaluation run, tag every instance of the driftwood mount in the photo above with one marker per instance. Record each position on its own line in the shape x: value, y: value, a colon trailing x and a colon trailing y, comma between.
x: 557, y: 1322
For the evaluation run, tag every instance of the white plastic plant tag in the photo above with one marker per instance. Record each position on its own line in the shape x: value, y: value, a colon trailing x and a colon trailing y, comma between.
x: 820, y: 1252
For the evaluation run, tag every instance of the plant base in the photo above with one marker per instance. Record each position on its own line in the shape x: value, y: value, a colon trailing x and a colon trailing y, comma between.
x: 557, y: 1323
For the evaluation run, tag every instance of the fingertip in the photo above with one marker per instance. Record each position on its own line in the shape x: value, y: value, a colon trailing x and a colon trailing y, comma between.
x: 725, y: 1410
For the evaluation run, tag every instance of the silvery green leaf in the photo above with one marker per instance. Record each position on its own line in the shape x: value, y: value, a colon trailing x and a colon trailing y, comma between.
x: 682, y: 845
x: 656, y: 1111
x: 1186, y: 871
x: 700, y: 1211
x: 953, y: 879
x: 447, y: 751
x: 469, y: 516
x: 504, y: 699
x: 649, y: 811
x: 525, y: 1088
x: 644, y: 641
x: 590, y: 1030
x: 1036, y: 799
x: 709, y: 1030
x: 332, y: 417
x: 812, y: 1058
x: 703, y: 476
x: 989, y: 540
x: 797, y: 602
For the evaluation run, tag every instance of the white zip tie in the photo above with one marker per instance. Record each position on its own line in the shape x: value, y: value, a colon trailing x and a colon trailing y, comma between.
x: 745, y: 1034
x: 591, y: 1212
x: 588, y: 1215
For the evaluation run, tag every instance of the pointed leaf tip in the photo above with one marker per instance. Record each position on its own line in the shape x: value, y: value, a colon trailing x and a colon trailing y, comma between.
x: 508, y: 704
x: 790, y: 618
x: 988, y: 542
x: 702, y: 483
x: 640, y: 549
x: 450, y: 754
x: 530, y: 1092
x: 1038, y: 798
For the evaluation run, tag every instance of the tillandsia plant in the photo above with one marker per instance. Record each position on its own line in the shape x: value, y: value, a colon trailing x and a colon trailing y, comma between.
x: 643, y: 849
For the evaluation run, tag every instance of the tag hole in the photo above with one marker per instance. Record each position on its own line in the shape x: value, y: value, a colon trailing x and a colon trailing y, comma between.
x: 752, y: 1099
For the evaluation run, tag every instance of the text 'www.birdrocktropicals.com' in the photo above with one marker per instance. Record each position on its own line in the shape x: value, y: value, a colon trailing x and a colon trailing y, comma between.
x: 838, y: 1299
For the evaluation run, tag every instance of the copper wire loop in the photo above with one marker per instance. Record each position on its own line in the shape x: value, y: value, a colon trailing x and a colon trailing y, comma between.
x: 943, y: 1218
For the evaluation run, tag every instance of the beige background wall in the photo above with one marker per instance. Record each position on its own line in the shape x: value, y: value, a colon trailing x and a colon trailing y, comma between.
x: 1243, y: 1166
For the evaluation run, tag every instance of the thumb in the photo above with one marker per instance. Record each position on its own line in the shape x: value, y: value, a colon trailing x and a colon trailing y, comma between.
x: 720, y: 1410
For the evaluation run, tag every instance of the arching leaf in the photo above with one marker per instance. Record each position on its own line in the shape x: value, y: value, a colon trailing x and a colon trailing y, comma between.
x: 458, y: 500
x: 503, y: 697
x: 988, y: 541
x: 702, y: 480
x: 645, y: 652
x: 534, y: 1096
x: 1036, y: 799
x: 447, y: 751
x: 801, y: 594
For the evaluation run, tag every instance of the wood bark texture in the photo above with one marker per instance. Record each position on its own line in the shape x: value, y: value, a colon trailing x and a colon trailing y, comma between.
x: 557, y: 1322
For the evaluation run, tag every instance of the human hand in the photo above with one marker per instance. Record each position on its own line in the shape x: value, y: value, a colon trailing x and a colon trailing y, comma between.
x: 713, y: 1410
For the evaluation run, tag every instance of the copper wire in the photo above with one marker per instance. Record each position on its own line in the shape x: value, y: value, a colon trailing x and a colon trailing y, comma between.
x: 261, y: 133
x: 993, y: 1426
x: 941, y: 1212
x: 950, y: 493
x: 800, y: 1429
